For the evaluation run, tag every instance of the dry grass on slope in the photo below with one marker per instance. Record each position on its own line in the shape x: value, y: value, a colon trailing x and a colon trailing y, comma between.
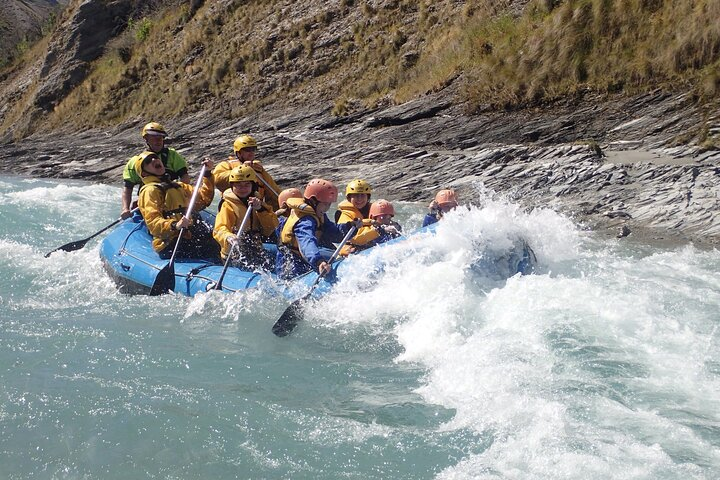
x: 235, y: 58
x: 558, y: 48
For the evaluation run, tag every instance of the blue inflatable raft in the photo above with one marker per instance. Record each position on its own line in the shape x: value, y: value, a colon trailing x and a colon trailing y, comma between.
x: 129, y: 258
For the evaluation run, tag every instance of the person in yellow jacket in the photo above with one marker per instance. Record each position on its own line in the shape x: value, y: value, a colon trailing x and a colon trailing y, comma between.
x: 175, y: 165
x: 162, y: 204
x: 383, y: 228
x: 245, y: 148
x: 356, y: 206
x: 249, y: 251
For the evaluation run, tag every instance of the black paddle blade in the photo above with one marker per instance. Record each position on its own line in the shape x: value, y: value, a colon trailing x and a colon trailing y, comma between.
x: 290, y: 318
x: 165, y: 281
x: 69, y: 247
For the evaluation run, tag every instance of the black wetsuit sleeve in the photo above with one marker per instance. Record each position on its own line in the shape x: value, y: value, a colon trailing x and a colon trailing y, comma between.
x: 180, y: 173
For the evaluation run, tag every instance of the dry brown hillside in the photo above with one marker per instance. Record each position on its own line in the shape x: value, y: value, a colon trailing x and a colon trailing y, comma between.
x: 119, y: 60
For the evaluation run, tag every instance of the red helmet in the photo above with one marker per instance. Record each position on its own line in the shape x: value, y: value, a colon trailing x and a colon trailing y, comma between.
x: 289, y: 193
x: 446, y: 198
x: 381, y: 207
x: 322, y: 190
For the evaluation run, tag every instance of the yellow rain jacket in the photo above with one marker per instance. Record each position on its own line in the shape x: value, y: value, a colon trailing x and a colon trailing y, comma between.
x: 231, y: 214
x: 162, y: 203
x: 222, y: 170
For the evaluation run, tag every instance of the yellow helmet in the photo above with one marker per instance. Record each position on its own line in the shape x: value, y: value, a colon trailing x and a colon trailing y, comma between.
x: 244, y: 141
x: 358, y: 186
x: 243, y: 173
x: 144, y: 157
x: 154, y: 128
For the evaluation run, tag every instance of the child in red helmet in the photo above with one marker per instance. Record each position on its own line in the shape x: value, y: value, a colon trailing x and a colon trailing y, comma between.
x: 382, y: 213
x: 383, y: 228
x: 445, y: 201
x: 307, y: 228
x: 283, y: 212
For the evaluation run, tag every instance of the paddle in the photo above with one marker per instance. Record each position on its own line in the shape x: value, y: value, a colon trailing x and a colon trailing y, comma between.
x: 227, y: 260
x: 267, y: 185
x: 294, y: 313
x: 78, y: 244
x: 165, y: 279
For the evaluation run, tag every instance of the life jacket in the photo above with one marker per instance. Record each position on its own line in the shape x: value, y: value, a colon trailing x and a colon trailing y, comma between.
x: 239, y: 207
x: 175, y: 200
x: 347, y: 212
x: 164, y: 155
x: 299, y: 209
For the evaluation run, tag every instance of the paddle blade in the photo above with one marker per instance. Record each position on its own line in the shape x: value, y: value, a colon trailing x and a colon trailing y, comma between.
x: 164, y: 281
x: 290, y: 318
x: 69, y: 247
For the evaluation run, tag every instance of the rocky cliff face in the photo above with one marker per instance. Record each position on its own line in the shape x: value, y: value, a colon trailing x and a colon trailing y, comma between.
x: 24, y: 21
x: 623, y: 163
x: 33, y: 91
x: 634, y: 183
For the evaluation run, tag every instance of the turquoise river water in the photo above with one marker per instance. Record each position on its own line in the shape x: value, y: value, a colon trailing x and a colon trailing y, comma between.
x: 603, y: 364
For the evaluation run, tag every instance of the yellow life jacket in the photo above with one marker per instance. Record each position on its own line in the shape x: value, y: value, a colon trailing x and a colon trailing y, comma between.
x: 263, y: 222
x: 239, y: 209
x: 348, y: 212
x: 176, y: 201
x: 299, y: 209
x: 366, y: 234
x: 170, y: 204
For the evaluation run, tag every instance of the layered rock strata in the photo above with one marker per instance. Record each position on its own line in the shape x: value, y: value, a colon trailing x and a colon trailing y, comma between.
x: 612, y: 166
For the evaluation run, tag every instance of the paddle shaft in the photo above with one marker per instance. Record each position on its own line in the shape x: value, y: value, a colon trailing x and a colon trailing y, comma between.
x: 78, y: 244
x: 193, y: 198
x: 345, y: 239
x: 332, y: 258
x: 267, y: 185
x: 227, y: 260
x: 293, y: 313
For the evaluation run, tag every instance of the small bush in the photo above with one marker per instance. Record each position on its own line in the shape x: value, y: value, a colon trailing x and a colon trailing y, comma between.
x: 219, y: 72
x: 141, y: 28
x: 22, y: 46
x: 340, y: 107
x: 49, y: 24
